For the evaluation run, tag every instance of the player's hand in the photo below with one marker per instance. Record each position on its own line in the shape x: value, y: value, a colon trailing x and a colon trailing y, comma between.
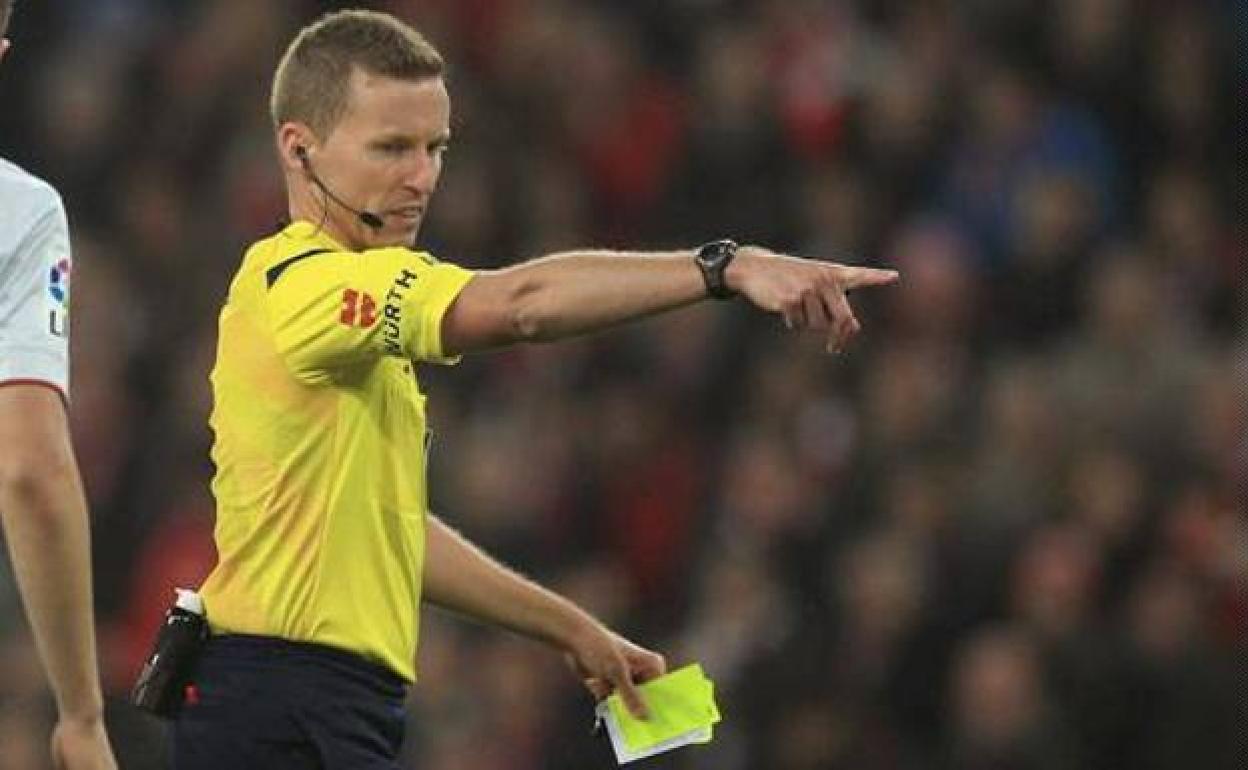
x: 81, y: 745
x: 607, y: 662
x: 806, y: 293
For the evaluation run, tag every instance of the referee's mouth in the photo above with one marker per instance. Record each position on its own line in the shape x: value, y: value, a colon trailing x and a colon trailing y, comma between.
x: 410, y: 215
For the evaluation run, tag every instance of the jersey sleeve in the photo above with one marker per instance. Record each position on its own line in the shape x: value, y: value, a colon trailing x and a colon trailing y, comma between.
x: 34, y: 301
x: 337, y: 309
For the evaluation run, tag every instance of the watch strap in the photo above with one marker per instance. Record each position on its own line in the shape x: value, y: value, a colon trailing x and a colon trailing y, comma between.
x: 713, y: 259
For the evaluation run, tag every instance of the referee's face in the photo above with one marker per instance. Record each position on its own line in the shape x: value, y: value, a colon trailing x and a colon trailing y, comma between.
x: 385, y: 156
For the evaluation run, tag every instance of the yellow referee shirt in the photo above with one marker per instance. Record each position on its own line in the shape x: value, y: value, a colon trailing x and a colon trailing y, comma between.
x: 320, y: 443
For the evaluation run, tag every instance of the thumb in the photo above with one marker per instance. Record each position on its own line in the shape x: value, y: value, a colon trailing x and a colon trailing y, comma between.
x: 856, y: 277
x: 597, y: 687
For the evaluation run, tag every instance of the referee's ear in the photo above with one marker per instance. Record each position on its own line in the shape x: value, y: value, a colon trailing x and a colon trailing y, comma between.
x: 290, y: 137
x: 4, y: 46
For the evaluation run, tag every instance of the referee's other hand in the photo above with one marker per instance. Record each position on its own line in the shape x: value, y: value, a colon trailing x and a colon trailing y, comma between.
x: 806, y: 293
x: 607, y: 662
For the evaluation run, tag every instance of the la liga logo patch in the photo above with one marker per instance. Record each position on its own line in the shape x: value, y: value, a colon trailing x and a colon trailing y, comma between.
x: 58, y: 297
x: 58, y: 282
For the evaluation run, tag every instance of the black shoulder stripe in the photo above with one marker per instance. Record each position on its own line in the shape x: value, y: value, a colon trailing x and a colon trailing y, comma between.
x: 275, y: 272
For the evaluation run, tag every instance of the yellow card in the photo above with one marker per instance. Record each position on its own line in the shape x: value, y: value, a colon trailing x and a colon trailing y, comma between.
x: 680, y: 702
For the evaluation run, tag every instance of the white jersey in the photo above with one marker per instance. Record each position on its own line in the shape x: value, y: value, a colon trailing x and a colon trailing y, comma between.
x: 35, y: 269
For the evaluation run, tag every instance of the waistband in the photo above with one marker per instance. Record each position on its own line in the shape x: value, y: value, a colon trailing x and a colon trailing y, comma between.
x: 272, y: 649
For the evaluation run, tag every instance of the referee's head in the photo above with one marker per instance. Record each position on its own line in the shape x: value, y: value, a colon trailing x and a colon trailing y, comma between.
x: 362, y: 115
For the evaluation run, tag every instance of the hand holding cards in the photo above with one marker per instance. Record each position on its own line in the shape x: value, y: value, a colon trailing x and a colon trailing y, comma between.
x: 682, y: 712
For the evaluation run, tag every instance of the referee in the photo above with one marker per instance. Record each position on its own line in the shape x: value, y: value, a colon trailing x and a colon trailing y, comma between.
x: 325, y: 542
x: 41, y: 499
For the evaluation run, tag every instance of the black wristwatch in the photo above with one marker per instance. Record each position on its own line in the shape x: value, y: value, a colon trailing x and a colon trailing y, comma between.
x: 713, y: 259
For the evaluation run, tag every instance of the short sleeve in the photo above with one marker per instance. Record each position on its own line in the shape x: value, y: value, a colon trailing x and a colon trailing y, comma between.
x: 335, y: 309
x: 35, y: 276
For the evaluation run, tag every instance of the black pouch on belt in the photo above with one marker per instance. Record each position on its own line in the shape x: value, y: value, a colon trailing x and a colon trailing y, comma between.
x: 161, y: 685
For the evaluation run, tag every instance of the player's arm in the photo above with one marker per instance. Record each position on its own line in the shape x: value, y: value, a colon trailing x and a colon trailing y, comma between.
x: 576, y: 292
x: 42, y: 507
x: 462, y: 578
x: 45, y: 524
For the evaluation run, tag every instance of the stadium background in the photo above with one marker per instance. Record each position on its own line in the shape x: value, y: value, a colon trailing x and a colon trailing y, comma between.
x: 1007, y: 530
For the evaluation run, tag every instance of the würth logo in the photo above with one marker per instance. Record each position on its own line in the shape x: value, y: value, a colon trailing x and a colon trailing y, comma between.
x: 358, y: 309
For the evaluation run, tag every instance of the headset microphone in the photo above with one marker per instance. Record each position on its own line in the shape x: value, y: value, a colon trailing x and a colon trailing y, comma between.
x: 367, y: 217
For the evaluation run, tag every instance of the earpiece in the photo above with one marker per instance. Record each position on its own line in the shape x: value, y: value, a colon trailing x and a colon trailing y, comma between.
x: 367, y: 217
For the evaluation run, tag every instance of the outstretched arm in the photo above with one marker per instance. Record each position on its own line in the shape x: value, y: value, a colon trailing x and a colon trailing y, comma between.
x: 45, y: 523
x: 572, y: 293
x: 462, y: 578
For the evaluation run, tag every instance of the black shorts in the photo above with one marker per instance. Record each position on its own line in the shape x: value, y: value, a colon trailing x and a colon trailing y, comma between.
x: 259, y: 703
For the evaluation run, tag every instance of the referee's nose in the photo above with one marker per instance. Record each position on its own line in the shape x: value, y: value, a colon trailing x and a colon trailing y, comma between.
x: 423, y: 173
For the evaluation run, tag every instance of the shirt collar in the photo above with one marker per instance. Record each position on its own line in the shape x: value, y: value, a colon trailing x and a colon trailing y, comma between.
x: 306, y: 231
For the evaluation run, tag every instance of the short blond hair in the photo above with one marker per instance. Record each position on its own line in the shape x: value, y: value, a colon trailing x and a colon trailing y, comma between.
x: 312, y: 81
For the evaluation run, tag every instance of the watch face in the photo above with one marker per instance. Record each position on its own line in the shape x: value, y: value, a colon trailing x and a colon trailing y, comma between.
x: 714, y: 253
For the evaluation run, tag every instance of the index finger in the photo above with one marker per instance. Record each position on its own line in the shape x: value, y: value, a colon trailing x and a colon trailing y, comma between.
x: 652, y: 665
x: 623, y: 682
x: 855, y: 277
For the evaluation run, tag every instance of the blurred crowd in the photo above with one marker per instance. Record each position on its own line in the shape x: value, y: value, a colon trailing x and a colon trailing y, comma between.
x: 1008, y: 529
